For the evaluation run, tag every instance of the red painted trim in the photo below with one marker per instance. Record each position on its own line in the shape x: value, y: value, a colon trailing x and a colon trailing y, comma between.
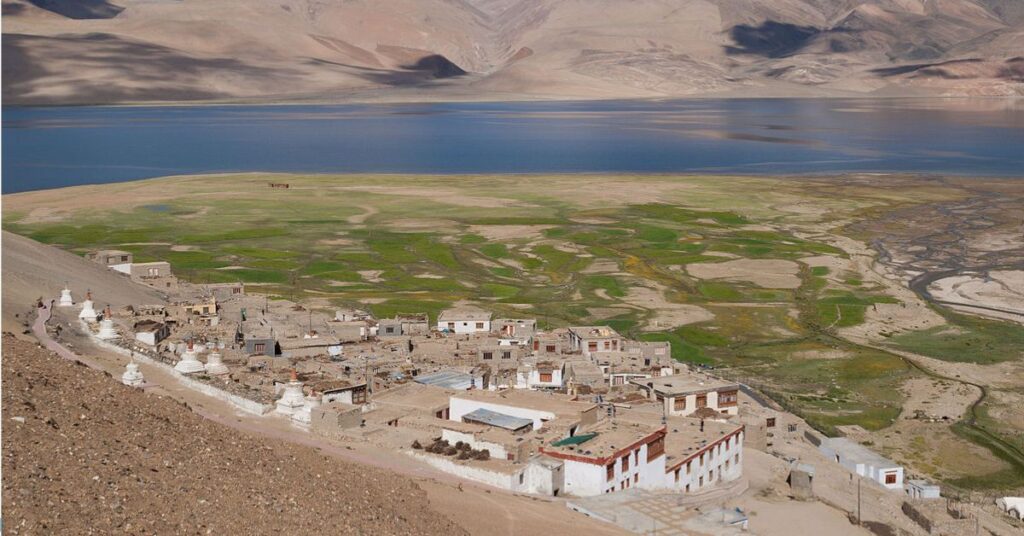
x: 706, y: 448
x: 604, y: 461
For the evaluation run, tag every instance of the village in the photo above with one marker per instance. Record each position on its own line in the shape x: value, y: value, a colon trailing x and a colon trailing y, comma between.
x: 578, y: 412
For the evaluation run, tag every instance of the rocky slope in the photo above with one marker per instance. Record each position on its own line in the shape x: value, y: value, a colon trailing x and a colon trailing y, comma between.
x: 64, y: 51
x: 112, y: 459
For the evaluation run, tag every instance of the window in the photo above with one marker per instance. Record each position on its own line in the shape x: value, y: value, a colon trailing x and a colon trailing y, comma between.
x: 259, y: 347
x: 358, y: 396
x: 636, y: 457
x: 506, y: 355
x: 609, y: 471
x: 677, y: 476
x: 488, y: 355
x: 607, y: 345
x: 890, y: 478
x: 687, y: 488
x: 726, y: 465
x: 700, y: 483
x: 521, y: 477
x: 701, y: 462
x: 702, y: 401
x: 711, y: 474
x: 479, y: 325
x: 636, y: 478
x: 769, y: 422
x: 550, y: 348
x: 625, y: 463
x: 655, y: 448
x: 679, y: 403
x: 451, y: 325
x: 592, y: 346
x: 545, y: 377
x: 689, y: 464
x: 389, y: 329
x: 727, y: 398
x: 536, y: 346
x: 124, y: 258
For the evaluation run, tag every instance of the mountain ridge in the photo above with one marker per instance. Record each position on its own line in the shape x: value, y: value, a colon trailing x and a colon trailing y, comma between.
x: 295, y: 50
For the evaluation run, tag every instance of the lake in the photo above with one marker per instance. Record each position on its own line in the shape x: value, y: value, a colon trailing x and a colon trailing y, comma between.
x: 63, y: 146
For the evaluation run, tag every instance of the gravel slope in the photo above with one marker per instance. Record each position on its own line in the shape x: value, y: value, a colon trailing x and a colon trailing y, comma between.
x: 84, y: 454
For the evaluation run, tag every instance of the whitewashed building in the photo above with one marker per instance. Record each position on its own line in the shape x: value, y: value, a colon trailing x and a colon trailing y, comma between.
x: 863, y: 461
x: 464, y: 321
x: 682, y: 395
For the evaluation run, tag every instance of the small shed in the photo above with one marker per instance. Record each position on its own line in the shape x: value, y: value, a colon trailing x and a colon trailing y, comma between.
x: 801, y: 480
x: 922, y: 489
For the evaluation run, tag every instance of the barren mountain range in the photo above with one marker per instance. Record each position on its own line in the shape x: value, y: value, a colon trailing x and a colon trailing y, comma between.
x: 100, y: 51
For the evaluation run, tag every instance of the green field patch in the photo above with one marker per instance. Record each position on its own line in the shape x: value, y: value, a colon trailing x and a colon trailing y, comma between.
x: 232, y: 236
x: 612, y: 286
x: 245, y: 275
x: 259, y: 253
x: 192, y: 260
x: 503, y: 271
x: 273, y: 264
x: 682, y: 215
x: 966, y: 339
x: 472, y: 239
x: 820, y: 270
x: 495, y: 251
x: 650, y: 233
x: 719, y: 291
x: 396, y: 306
x: 497, y: 290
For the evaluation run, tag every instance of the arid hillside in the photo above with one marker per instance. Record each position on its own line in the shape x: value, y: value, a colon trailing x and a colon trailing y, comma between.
x: 112, y: 459
x: 100, y: 51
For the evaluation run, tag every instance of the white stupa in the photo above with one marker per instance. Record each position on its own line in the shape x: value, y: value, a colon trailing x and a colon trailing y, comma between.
x: 292, y: 399
x: 189, y: 362
x: 214, y: 365
x: 65, y: 297
x: 88, y: 313
x: 304, y: 414
x: 107, y: 330
x: 132, y: 377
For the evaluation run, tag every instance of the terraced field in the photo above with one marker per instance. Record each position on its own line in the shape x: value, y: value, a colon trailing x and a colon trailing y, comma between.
x: 756, y: 276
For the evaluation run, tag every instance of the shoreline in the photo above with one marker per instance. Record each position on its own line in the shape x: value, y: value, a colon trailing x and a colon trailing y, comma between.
x: 513, y: 98
x: 320, y: 175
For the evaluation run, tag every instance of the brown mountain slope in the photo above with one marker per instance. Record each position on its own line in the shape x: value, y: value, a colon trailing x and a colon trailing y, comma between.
x: 153, y: 50
x: 112, y: 459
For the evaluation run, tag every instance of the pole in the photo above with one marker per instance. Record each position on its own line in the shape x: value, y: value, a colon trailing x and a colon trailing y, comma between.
x: 860, y: 520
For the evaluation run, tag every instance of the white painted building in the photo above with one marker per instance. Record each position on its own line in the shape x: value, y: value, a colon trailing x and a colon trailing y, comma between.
x: 684, y: 394
x: 541, y: 375
x: 863, y: 461
x: 464, y: 321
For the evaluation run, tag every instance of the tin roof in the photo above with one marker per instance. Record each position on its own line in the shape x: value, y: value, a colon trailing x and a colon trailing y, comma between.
x: 449, y: 379
x: 493, y: 418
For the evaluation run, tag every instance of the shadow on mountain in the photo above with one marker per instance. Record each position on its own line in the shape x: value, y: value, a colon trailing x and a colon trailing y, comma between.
x: 771, y: 39
x: 928, y: 69
x: 80, y: 9
x: 436, y: 66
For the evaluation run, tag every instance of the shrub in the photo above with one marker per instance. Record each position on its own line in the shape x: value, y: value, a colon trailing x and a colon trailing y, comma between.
x: 416, y: 445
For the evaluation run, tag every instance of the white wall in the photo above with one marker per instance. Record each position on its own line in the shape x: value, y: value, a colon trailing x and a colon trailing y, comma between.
x: 713, y: 465
x: 587, y: 479
x: 465, y: 326
x: 496, y: 450
x: 458, y: 407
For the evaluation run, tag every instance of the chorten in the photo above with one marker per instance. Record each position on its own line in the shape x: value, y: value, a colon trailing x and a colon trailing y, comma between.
x: 292, y: 399
x: 88, y: 313
x: 189, y: 362
x: 304, y: 414
x: 65, y: 297
x: 107, y: 330
x: 214, y: 365
x: 132, y: 377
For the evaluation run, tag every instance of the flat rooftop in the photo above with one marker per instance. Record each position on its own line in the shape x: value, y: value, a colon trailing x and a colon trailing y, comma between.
x: 448, y: 379
x: 684, y: 436
x: 592, y: 332
x: 449, y: 315
x: 858, y: 453
x: 610, y: 436
x: 563, y: 406
x: 683, y: 384
x: 500, y: 420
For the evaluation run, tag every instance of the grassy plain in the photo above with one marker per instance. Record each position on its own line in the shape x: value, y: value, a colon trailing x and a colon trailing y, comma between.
x: 563, y: 249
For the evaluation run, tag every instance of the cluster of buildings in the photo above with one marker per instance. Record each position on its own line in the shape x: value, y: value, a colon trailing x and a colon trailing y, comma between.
x: 580, y: 410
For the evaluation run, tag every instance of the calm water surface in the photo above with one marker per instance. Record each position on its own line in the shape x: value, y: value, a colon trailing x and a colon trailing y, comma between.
x: 52, y: 147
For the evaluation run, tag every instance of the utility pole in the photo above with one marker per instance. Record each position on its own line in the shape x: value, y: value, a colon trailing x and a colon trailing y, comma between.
x: 860, y: 520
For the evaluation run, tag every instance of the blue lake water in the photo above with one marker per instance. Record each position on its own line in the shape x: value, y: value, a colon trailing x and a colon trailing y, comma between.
x: 53, y: 147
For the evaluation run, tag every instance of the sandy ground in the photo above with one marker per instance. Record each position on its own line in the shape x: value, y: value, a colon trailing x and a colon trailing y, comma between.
x: 998, y: 289
x: 767, y: 273
x: 664, y: 315
x: 934, y: 398
x: 508, y: 232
